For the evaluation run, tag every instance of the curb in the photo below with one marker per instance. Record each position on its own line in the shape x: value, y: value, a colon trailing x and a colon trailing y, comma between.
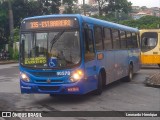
x: 8, y: 62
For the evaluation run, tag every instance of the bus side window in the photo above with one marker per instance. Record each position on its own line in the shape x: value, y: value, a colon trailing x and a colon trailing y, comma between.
x: 123, y: 39
x: 129, y: 40
x: 98, y: 38
x: 107, y: 39
x: 88, y: 45
x: 134, y: 40
x: 116, y: 39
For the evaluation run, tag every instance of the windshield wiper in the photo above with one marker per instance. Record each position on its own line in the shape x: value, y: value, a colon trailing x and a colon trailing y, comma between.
x: 57, y: 36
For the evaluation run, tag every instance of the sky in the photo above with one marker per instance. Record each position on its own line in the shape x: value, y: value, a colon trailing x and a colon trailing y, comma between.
x: 147, y: 3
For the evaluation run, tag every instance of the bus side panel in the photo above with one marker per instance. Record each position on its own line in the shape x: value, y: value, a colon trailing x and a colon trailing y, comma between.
x: 121, y: 64
x: 90, y: 75
x: 134, y: 57
x: 109, y: 66
x: 150, y: 59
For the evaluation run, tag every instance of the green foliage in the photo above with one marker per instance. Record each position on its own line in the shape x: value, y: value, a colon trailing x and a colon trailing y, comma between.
x: 10, y: 50
x: 69, y: 9
x: 22, y: 9
x: 13, y: 54
x: 109, y: 17
x: 4, y: 28
x: 29, y: 8
x: 146, y: 22
x: 111, y: 6
x: 16, y: 35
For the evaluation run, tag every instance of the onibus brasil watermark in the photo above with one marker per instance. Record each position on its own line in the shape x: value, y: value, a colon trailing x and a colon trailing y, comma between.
x: 21, y: 114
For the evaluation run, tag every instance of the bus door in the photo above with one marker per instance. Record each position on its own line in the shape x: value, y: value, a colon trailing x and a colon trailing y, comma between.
x: 89, y: 56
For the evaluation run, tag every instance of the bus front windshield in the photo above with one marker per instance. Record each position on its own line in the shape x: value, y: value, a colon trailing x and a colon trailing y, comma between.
x: 53, y: 49
x: 149, y: 41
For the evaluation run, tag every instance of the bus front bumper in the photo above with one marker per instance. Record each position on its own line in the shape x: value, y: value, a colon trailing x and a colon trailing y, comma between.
x: 70, y: 88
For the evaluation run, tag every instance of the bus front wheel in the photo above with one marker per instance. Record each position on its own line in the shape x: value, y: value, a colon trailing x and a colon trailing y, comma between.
x: 159, y: 65
x: 98, y: 91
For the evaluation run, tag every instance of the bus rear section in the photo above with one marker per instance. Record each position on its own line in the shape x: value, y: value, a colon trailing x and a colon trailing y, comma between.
x: 150, y: 46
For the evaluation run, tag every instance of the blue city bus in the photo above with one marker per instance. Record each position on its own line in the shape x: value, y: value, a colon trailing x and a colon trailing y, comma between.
x: 75, y: 54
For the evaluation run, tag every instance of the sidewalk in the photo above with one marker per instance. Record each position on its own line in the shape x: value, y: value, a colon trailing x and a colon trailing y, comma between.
x: 153, y: 80
x: 2, y: 62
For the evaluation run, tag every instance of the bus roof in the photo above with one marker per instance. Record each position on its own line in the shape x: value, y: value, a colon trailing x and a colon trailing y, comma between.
x: 88, y: 20
x: 149, y: 30
x: 109, y: 24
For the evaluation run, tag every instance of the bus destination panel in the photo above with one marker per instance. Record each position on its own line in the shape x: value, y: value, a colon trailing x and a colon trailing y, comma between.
x: 50, y: 23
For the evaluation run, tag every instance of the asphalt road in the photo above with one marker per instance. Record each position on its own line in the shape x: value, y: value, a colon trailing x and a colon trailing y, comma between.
x: 119, y: 96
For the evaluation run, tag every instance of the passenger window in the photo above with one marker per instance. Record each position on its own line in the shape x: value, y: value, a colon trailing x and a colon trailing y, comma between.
x: 88, y: 45
x: 98, y: 38
x: 116, y: 39
x: 135, y: 41
x: 129, y: 40
x: 123, y: 39
x: 107, y: 39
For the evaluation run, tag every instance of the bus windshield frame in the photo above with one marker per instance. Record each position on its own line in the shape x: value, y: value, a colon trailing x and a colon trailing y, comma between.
x: 50, y: 48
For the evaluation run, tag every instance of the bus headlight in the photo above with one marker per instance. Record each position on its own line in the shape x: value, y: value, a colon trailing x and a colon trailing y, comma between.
x: 24, y: 77
x: 77, y: 75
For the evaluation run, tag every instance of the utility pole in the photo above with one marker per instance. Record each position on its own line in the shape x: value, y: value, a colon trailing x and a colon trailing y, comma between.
x: 10, y: 23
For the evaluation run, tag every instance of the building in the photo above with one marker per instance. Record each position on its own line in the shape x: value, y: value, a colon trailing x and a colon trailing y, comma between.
x: 139, y: 12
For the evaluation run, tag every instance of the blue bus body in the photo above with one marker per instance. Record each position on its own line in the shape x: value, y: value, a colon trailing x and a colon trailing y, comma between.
x: 112, y: 64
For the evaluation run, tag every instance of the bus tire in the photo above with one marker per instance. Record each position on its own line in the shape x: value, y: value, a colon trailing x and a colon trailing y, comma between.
x: 129, y: 77
x: 99, y: 89
x: 159, y: 65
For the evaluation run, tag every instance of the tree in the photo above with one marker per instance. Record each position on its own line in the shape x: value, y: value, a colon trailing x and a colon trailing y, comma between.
x: 49, y: 6
x: 113, y: 6
x: 11, y: 24
x: 70, y: 4
x: 29, y: 8
x: 20, y: 11
x: 54, y: 6
x: 101, y: 5
x: 146, y: 22
x: 143, y: 8
x: 118, y: 6
x: 4, y: 22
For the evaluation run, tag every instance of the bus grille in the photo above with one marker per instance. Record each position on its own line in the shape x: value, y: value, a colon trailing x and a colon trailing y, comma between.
x: 44, y: 74
x: 51, y: 81
x: 48, y: 88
